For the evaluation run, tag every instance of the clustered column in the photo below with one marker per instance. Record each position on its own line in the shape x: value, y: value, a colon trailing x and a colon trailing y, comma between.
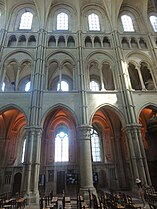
x: 139, y: 167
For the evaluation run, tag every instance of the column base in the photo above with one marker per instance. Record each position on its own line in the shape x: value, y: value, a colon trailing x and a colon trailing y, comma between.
x: 33, y: 199
x: 87, y: 191
x: 32, y: 206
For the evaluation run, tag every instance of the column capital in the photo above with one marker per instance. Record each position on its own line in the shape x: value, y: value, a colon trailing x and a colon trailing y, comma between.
x: 84, y: 132
x: 33, y: 128
x: 132, y: 127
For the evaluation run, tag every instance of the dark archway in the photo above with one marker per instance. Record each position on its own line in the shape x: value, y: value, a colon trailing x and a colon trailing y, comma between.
x: 17, y: 183
x: 113, y: 150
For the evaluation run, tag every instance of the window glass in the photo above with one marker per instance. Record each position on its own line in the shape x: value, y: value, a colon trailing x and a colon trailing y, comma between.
x: 93, y: 22
x: 26, y: 20
x: 96, y: 150
x: 23, y: 151
x: 153, y: 20
x: 62, y: 21
x: 94, y: 86
x: 61, y: 147
x: 3, y: 86
x: 63, y: 86
x: 27, y: 86
x: 127, y: 23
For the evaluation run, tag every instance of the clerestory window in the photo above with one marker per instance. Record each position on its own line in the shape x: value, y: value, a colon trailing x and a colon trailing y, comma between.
x: 62, y: 21
x: 127, y: 23
x: 93, y: 22
x: 153, y: 20
x: 26, y: 21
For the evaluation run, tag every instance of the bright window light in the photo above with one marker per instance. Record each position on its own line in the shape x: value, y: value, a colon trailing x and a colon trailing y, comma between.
x: 153, y: 20
x: 94, y: 86
x: 27, y: 86
x: 93, y: 21
x: 23, y: 151
x: 96, y: 151
x: 127, y: 23
x: 62, y: 21
x: 61, y: 147
x: 63, y: 86
x: 26, y: 21
x: 3, y: 86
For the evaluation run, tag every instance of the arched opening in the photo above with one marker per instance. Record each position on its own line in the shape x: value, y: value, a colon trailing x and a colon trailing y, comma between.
x: 60, y: 151
x: 134, y: 77
x: 109, y: 140
x: 127, y: 23
x: 17, y: 184
x: 147, y: 76
x: 107, y: 77
x: 12, y: 121
x: 60, y: 78
x: 93, y: 22
x: 148, y: 120
x: 26, y: 21
x: 62, y: 21
x: 12, y: 131
x: 97, y: 42
x: 88, y: 42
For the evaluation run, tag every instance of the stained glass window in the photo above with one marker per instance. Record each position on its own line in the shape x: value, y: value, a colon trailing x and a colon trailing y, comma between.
x: 61, y: 147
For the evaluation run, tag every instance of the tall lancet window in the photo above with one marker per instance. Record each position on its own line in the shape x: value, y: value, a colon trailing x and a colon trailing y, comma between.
x: 127, y: 23
x: 96, y: 146
x: 26, y: 21
x: 62, y: 147
x: 62, y: 21
x: 93, y: 22
x: 23, y: 151
x: 3, y: 86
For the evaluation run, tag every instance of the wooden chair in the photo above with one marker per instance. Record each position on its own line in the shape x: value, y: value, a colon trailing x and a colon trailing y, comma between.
x: 131, y: 205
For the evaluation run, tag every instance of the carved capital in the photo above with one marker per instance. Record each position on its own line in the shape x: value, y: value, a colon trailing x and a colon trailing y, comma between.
x: 84, y: 132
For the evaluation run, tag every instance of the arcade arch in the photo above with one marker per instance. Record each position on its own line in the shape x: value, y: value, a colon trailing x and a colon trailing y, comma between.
x: 148, y: 121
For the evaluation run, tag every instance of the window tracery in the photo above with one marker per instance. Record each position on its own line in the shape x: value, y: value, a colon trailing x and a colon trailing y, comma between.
x: 62, y: 147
